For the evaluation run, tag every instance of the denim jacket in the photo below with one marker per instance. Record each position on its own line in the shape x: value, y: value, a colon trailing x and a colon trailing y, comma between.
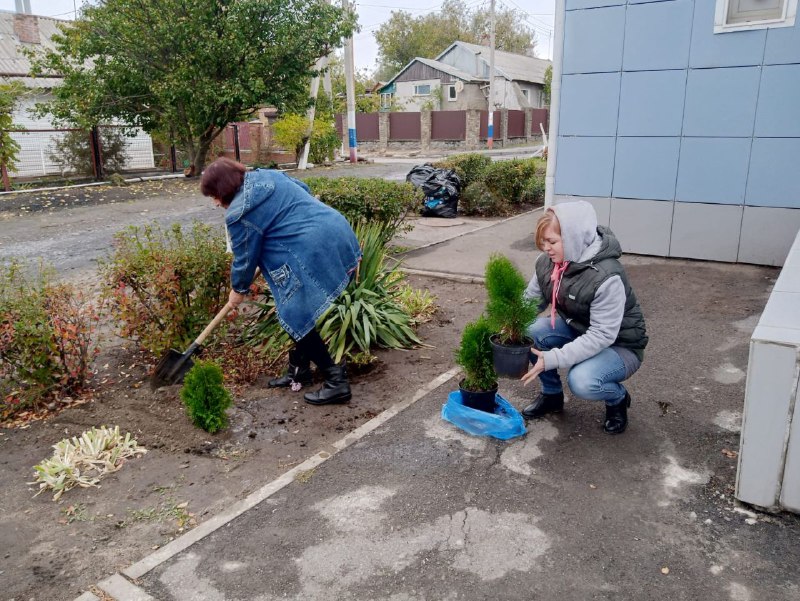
x: 307, y: 250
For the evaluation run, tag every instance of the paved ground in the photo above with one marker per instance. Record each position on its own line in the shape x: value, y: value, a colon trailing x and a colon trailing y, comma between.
x: 410, y: 508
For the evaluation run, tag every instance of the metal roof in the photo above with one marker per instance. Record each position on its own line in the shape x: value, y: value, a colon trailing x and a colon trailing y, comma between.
x: 444, y: 68
x: 515, y: 67
x: 14, y: 65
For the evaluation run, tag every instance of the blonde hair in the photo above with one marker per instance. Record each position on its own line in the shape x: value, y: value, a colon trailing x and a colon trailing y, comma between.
x: 547, y: 220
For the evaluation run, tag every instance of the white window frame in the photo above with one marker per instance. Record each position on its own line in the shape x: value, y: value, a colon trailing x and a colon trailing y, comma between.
x: 722, y: 26
x: 386, y: 100
x: 452, y: 93
x: 422, y: 85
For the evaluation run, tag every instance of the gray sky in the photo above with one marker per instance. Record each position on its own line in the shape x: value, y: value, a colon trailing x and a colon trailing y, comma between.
x: 538, y: 14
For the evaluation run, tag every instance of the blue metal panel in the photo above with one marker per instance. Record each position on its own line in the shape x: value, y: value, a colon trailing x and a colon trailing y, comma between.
x: 645, y: 1
x: 589, y: 105
x: 721, y: 102
x: 584, y: 166
x: 713, y: 170
x: 579, y: 4
x: 593, y: 40
x: 783, y: 45
x: 646, y: 168
x: 651, y: 103
x: 778, y: 114
x: 729, y: 49
x: 774, y: 179
x: 657, y: 35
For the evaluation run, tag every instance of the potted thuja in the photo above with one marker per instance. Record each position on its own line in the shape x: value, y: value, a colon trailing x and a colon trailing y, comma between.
x: 509, y: 314
x: 479, y: 386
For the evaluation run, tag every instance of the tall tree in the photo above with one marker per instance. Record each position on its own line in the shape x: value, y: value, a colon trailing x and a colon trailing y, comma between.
x: 404, y: 37
x: 184, y: 69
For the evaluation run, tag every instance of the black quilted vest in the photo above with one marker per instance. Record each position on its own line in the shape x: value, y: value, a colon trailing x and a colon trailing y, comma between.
x: 579, y: 285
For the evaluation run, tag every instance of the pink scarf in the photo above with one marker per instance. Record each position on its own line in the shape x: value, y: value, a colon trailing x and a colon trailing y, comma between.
x: 555, y: 278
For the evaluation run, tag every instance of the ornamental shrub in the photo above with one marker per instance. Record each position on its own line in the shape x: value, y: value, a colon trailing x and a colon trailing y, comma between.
x: 205, y: 397
x: 369, y: 199
x: 470, y: 167
x: 291, y: 131
x: 477, y: 199
x: 509, y: 313
x: 510, y: 179
x: 474, y: 354
x: 165, y: 285
x: 47, y: 338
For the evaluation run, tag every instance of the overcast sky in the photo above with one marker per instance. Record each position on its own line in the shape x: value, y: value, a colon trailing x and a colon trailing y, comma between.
x: 537, y: 14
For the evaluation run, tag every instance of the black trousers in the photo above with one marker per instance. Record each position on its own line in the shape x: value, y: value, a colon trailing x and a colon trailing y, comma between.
x: 312, y: 347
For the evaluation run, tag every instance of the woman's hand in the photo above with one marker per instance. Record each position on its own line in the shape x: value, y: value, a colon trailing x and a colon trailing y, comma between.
x: 534, y: 371
x: 235, y: 299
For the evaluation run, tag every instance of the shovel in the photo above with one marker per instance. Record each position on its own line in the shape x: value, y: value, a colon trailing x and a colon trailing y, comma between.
x: 173, y: 366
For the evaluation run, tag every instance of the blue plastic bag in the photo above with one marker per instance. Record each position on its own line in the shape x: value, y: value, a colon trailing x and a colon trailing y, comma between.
x: 506, y: 422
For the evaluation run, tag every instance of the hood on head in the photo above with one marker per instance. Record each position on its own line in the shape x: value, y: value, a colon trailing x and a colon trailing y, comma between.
x: 578, y: 222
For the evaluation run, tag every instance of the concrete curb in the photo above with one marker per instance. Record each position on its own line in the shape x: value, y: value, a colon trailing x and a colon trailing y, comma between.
x: 131, y: 180
x: 120, y: 587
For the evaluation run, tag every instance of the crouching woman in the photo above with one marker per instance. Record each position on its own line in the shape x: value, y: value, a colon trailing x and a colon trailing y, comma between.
x: 595, y: 328
x: 307, y: 252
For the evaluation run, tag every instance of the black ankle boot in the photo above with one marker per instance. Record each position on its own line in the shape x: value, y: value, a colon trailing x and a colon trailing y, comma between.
x: 617, y: 416
x: 544, y: 404
x: 298, y: 373
x: 336, y: 388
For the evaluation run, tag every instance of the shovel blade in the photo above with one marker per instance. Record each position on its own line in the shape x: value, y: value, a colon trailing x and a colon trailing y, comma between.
x: 172, y: 368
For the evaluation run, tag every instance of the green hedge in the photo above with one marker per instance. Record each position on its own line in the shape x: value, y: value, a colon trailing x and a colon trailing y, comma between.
x: 368, y: 199
x: 470, y: 167
x: 510, y: 180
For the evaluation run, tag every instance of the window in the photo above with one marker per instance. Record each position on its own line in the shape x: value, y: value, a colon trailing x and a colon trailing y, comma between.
x: 525, y: 93
x: 452, y: 93
x: 738, y: 15
x: 386, y: 101
x: 422, y: 89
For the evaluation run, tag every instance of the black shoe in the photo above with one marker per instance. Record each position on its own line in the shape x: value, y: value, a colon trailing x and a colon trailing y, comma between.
x: 544, y: 404
x: 617, y: 416
x: 298, y: 373
x: 336, y: 388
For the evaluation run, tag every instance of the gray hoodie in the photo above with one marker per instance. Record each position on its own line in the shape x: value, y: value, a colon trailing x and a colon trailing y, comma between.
x: 581, y: 242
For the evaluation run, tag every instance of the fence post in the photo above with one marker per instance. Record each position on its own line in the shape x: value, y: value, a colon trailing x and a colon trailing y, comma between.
x: 425, y: 130
x: 94, y: 145
x: 504, y: 127
x: 173, y: 159
x: 383, y: 131
x: 236, y: 151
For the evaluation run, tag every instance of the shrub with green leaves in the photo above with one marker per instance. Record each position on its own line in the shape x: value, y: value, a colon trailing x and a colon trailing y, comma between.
x: 47, y: 338
x: 474, y: 354
x: 205, y: 396
x: 511, y: 180
x: 369, y: 199
x: 470, y: 167
x: 291, y: 132
x: 477, y: 199
x: 509, y: 313
x: 165, y: 284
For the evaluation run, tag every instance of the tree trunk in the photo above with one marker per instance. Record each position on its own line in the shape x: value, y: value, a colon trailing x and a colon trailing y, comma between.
x: 200, y: 153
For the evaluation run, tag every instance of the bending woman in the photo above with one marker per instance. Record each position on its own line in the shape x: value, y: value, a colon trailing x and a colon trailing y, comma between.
x: 595, y: 327
x: 307, y: 252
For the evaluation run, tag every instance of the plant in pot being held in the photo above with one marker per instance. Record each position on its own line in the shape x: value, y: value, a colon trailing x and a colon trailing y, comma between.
x: 479, y: 386
x: 509, y: 314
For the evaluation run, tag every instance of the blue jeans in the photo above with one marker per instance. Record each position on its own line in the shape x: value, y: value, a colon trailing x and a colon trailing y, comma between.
x: 595, y: 379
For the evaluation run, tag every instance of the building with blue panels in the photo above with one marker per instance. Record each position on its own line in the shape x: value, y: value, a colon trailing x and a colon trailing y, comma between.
x: 679, y: 120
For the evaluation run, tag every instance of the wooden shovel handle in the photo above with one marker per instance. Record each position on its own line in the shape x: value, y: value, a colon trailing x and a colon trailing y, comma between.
x: 219, y: 317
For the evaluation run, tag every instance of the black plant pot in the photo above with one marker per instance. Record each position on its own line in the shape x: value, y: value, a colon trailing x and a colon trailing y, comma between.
x: 511, y: 361
x: 483, y: 400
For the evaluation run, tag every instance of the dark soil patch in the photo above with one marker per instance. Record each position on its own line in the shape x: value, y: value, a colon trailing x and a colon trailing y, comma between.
x: 55, y: 550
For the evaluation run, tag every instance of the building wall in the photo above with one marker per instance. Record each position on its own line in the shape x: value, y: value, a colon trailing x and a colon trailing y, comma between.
x: 404, y: 93
x: 687, y: 142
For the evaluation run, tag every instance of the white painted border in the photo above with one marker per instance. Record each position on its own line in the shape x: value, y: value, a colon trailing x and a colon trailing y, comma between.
x: 720, y: 15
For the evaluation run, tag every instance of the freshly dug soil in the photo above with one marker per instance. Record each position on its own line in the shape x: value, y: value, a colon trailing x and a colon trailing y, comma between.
x: 56, y: 550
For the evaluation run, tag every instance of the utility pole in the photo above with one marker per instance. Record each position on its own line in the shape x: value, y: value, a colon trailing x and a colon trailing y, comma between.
x: 302, y: 162
x: 490, y: 137
x: 349, y: 74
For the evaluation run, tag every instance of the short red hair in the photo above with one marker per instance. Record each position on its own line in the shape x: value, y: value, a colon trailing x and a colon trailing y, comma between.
x: 222, y: 179
x: 548, y: 219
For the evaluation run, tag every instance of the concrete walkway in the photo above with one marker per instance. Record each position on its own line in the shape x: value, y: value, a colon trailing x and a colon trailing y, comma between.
x: 409, y: 508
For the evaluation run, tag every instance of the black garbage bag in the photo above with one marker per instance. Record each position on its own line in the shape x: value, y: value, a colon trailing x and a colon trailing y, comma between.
x: 442, y: 188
